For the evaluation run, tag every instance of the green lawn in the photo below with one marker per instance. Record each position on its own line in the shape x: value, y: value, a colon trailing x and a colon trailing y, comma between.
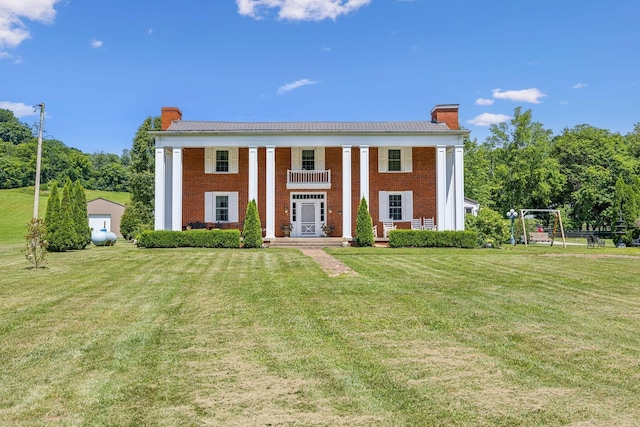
x: 16, y: 209
x: 127, y: 336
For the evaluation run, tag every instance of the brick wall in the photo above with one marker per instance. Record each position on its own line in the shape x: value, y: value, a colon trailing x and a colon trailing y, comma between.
x: 422, y: 181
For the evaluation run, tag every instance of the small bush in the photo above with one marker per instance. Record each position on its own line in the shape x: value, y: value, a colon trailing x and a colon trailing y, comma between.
x: 432, y: 239
x: 490, y: 226
x: 190, y: 239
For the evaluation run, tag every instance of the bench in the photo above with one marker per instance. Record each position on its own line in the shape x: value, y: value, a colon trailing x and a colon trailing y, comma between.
x: 635, y: 242
x: 538, y: 237
x: 594, y: 241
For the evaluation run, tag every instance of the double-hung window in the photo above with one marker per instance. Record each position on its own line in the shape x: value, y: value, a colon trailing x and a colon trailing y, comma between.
x: 308, y: 160
x: 222, y: 208
x: 395, y: 205
x: 395, y: 159
x: 221, y: 160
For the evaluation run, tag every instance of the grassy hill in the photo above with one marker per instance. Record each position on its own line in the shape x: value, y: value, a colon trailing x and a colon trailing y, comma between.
x: 16, y: 208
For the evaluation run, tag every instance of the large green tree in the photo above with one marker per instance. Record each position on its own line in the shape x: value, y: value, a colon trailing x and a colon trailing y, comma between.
x: 524, y: 173
x: 592, y: 159
x: 139, y: 213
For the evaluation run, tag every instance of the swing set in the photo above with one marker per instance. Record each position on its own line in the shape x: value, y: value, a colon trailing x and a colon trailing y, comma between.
x: 540, y: 236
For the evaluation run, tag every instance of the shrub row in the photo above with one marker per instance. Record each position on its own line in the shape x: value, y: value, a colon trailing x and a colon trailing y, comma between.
x: 190, y: 239
x: 432, y: 239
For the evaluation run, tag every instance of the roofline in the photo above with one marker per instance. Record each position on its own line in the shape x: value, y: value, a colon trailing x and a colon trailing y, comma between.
x: 169, y: 133
x: 106, y: 200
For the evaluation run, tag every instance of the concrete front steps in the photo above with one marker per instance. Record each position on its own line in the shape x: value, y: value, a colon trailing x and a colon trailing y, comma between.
x: 301, y: 242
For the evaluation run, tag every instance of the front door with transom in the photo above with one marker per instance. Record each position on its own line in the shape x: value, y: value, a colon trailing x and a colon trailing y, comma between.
x: 308, y: 215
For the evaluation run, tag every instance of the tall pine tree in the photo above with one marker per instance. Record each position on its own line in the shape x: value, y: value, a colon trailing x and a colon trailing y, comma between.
x: 80, y: 216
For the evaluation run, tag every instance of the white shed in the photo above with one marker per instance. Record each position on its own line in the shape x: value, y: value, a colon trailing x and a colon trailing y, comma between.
x: 104, y: 213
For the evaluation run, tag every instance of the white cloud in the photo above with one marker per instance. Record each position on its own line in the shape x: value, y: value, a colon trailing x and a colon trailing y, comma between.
x: 13, y: 13
x: 531, y: 95
x: 96, y: 43
x: 484, y: 101
x: 150, y: 31
x: 5, y: 55
x: 488, y: 119
x: 300, y: 10
x: 19, y: 109
x: 295, y: 85
x: 327, y: 49
x: 579, y: 85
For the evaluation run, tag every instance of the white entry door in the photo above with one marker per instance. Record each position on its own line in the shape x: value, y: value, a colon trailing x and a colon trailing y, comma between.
x: 308, y: 220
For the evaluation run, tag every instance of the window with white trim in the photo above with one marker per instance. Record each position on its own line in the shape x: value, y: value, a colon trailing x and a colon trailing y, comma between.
x: 221, y: 206
x: 309, y: 159
x: 395, y: 159
x: 221, y: 160
x: 395, y: 205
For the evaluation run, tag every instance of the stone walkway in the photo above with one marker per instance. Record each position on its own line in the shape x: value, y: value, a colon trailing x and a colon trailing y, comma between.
x: 332, y: 266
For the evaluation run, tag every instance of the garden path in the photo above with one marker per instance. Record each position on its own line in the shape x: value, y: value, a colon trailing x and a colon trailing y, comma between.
x: 332, y: 266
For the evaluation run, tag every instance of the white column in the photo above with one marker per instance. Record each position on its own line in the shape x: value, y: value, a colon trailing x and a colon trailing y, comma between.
x: 364, y: 174
x: 441, y: 186
x: 176, y: 194
x: 346, y: 191
x: 160, y: 189
x: 253, y: 174
x: 459, y: 187
x: 271, y: 192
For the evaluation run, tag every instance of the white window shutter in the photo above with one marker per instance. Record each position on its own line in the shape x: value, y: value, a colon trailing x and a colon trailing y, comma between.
x: 209, y: 213
x: 233, y: 160
x: 209, y: 153
x: 383, y: 202
x: 383, y: 159
x: 233, y: 207
x: 320, y: 159
x: 407, y: 159
x: 407, y: 206
x: 296, y: 158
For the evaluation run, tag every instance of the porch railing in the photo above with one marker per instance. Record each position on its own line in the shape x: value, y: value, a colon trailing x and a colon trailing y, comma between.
x: 308, y: 179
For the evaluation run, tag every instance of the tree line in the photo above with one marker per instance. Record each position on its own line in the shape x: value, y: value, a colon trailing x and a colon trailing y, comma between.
x: 590, y: 174
x: 18, y: 145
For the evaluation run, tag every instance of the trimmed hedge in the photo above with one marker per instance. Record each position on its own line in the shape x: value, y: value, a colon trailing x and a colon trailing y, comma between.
x: 190, y: 239
x: 432, y: 239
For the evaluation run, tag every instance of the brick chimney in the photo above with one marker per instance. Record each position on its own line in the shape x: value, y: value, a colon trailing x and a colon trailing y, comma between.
x: 447, y: 114
x: 169, y: 115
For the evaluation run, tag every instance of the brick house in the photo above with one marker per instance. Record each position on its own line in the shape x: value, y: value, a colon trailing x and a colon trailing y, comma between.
x: 309, y: 174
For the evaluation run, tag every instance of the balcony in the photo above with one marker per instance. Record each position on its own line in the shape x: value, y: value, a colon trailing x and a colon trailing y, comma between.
x: 304, y: 179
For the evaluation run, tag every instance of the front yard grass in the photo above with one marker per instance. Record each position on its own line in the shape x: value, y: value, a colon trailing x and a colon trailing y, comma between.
x: 127, y: 336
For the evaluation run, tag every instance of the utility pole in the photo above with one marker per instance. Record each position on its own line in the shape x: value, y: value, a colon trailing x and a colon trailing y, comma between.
x: 36, y: 200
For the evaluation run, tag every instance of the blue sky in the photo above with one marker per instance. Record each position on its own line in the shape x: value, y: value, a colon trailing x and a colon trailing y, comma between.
x: 102, y: 67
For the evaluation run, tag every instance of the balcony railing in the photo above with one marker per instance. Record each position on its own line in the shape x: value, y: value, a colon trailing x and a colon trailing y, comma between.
x: 317, y: 179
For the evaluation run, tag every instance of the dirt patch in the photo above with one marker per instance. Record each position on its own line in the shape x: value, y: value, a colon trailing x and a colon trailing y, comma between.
x: 332, y: 266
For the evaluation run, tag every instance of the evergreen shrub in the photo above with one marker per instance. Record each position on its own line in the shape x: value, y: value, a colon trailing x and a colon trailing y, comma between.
x: 190, y: 239
x: 432, y: 239
x: 364, y: 225
x: 252, y: 230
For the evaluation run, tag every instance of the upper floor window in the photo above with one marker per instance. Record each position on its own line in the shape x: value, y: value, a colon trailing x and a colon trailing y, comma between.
x: 308, y: 160
x: 395, y: 159
x: 221, y: 160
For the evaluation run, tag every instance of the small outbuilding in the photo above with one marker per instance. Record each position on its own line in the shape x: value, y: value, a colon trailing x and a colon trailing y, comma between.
x: 471, y: 206
x: 104, y: 213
